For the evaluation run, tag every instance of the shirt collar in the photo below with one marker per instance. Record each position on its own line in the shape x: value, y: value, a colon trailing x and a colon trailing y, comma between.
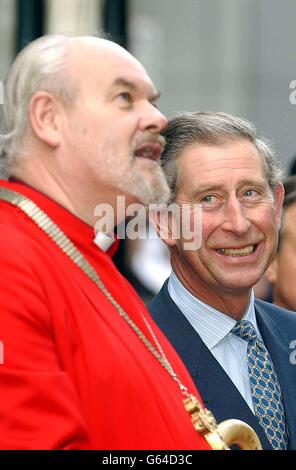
x: 103, y: 241
x: 211, y: 324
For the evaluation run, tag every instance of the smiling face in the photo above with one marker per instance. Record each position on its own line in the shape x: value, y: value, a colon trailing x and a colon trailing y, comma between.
x: 112, y: 132
x: 240, y: 219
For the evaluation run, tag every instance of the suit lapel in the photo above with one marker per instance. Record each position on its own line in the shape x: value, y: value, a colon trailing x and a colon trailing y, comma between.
x: 177, y: 329
x: 278, y: 348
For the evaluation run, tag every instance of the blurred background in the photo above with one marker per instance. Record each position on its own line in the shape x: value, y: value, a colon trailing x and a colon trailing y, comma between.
x: 236, y: 56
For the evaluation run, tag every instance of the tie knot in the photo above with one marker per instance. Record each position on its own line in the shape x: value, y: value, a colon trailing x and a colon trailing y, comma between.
x: 245, y: 330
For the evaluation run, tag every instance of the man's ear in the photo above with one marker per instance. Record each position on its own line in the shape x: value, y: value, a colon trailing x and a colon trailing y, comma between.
x: 44, y: 115
x: 279, y: 194
x: 272, y: 270
x: 163, y: 224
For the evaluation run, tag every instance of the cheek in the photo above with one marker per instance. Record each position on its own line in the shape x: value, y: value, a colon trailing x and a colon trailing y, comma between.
x: 192, y: 261
x: 210, y: 226
x: 266, y: 222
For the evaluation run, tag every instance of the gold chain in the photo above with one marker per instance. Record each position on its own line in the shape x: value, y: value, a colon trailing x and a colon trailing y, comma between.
x: 202, y: 419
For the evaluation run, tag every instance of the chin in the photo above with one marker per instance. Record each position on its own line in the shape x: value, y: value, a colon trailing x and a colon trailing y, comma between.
x: 241, y: 286
x: 240, y: 283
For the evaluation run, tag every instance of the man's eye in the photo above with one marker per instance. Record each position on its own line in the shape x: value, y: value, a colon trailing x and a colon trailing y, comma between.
x: 208, y: 199
x: 250, y: 193
x: 125, y: 96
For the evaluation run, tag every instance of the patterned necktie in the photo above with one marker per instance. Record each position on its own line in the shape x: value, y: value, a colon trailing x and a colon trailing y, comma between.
x: 266, y: 392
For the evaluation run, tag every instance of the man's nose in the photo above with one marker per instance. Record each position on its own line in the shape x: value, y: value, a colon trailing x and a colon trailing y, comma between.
x: 235, y: 219
x: 152, y: 119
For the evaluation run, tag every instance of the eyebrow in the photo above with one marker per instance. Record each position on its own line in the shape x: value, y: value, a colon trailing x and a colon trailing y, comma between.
x: 123, y: 82
x: 246, y: 182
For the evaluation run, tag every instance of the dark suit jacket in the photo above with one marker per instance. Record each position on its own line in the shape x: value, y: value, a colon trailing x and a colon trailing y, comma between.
x: 277, y: 327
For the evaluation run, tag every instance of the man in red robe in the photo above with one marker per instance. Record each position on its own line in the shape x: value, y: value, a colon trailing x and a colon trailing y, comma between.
x: 81, y: 129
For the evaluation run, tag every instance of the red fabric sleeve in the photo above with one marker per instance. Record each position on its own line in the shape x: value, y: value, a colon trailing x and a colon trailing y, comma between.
x: 39, y: 408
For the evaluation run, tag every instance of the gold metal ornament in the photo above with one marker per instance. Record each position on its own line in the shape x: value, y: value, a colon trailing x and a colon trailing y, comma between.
x: 221, y: 436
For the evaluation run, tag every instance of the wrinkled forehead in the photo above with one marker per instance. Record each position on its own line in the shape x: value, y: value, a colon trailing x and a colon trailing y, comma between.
x: 99, y: 62
x: 225, y: 166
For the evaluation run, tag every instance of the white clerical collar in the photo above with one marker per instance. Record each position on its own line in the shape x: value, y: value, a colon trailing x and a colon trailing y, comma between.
x: 211, y: 325
x: 103, y: 241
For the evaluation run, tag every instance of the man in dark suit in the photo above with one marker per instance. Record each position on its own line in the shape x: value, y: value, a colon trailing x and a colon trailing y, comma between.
x: 236, y: 348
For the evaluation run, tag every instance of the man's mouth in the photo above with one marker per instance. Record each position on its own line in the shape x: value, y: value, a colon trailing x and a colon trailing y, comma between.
x: 245, y: 251
x: 150, y: 150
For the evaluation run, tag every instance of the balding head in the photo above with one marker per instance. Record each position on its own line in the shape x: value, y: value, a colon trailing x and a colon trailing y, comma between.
x: 80, y: 112
x: 92, y: 59
x: 59, y: 65
x: 97, y: 45
x: 93, y: 52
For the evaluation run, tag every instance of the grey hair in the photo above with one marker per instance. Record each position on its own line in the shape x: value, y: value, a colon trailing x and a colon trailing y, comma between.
x: 210, y: 128
x: 41, y: 65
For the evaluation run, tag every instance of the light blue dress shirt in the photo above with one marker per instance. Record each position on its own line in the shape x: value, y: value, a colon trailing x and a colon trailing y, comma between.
x: 214, y: 329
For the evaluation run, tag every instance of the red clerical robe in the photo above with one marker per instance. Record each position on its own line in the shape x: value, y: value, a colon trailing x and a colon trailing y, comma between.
x: 74, y: 374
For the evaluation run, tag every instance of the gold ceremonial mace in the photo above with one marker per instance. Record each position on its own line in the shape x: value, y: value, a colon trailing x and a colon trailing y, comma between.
x: 221, y: 436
